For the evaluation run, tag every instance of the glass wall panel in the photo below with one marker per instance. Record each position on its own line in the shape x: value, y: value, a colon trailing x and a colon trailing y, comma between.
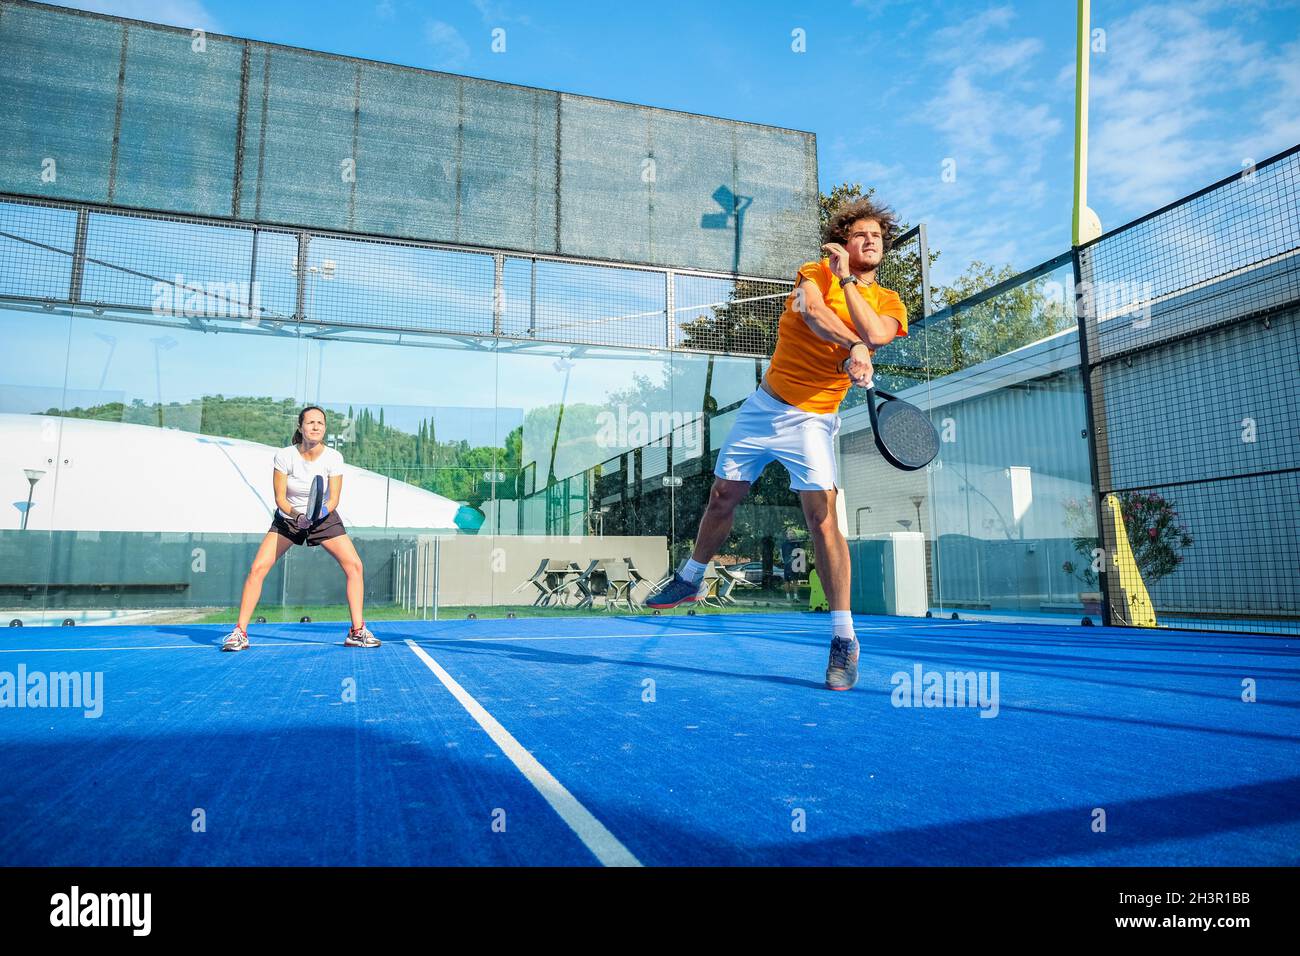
x: 1005, y: 510
x: 414, y: 419
x: 32, y: 371
x: 164, y: 489
x: 766, y: 560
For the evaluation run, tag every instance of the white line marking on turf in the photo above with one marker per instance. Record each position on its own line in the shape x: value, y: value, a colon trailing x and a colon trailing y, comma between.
x: 155, y: 647
x: 639, y: 635
x: 607, y: 848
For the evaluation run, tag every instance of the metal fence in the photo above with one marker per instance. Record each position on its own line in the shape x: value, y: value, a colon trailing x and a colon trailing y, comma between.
x: 1191, y: 318
x: 165, y: 268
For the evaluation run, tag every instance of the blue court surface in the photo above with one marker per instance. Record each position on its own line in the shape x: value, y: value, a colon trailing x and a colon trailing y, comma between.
x: 660, y: 741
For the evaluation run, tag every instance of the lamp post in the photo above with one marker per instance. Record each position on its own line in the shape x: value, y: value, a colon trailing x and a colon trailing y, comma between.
x: 916, y: 503
x: 111, y: 342
x: 33, y: 476
x: 161, y: 343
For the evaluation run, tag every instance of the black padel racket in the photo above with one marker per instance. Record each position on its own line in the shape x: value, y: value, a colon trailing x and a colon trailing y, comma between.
x: 903, y: 432
x: 316, y: 499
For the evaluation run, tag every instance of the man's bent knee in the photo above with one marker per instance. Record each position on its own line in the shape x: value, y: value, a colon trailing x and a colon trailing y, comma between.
x: 819, y: 508
x: 725, y: 494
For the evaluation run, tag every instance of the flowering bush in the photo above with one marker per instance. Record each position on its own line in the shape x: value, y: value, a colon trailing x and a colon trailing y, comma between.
x: 1155, y: 533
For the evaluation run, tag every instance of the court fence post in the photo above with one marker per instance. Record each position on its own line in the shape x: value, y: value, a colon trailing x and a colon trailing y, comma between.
x: 1082, y: 308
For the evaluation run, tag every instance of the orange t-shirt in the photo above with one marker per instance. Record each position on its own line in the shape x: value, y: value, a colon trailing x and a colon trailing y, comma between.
x: 806, y: 370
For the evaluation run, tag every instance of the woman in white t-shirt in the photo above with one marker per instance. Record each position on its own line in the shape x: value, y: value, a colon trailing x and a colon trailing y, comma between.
x: 295, y: 468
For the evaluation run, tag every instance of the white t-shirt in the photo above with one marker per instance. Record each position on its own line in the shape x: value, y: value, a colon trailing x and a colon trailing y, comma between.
x: 300, y: 472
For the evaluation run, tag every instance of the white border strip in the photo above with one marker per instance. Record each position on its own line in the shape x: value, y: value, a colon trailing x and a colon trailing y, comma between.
x: 162, y: 647
x: 606, y: 847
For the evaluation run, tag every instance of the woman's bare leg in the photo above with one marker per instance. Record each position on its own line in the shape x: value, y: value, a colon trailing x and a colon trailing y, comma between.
x: 273, y: 546
x: 345, y: 553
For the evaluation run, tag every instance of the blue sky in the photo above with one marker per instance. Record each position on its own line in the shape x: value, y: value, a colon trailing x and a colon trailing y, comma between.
x: 1183, y: 94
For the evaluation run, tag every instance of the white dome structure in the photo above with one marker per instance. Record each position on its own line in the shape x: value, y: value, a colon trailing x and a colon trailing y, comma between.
x: 109, y: 476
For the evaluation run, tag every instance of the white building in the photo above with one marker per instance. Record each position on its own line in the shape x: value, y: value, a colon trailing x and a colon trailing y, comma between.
x: 109, y: 476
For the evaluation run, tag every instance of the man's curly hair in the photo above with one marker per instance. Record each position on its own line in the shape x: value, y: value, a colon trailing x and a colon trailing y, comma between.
x: 837, y: 229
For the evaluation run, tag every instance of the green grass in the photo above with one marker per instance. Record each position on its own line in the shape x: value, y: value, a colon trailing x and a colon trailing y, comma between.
x: 392, y: 612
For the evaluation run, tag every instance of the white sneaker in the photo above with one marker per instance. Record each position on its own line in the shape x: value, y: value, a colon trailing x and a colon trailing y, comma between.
x: 236, y: 640
x: 361, y: 637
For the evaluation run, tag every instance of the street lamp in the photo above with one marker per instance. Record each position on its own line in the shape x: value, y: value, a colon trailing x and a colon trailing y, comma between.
x: 160, y: 344
x: 916, y: 503
x: 857, y: 519
x: 111, y: 342
x: 33, y: 476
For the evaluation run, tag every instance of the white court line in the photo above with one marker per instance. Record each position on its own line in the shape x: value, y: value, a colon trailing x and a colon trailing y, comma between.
x: 724, y: 632
x: 639, y: 635
x: 152, y: 647
x: 607, y: 848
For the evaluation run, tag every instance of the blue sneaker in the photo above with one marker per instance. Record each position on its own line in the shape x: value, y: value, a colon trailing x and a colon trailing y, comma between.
x: 675, y: 592
x: 842, y: 671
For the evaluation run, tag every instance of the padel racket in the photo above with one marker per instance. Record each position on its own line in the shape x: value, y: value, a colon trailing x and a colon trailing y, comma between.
x: 316, y: 500
x: 903, y: 432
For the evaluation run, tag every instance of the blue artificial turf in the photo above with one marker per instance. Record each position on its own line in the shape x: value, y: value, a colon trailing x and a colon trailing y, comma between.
x: 694, y: 740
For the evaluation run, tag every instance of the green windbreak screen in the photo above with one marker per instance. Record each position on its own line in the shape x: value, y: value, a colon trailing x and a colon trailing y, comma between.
x: 129, y: 114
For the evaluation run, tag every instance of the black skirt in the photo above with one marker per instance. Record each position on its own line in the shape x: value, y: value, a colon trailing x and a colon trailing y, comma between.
x: 331, y: 526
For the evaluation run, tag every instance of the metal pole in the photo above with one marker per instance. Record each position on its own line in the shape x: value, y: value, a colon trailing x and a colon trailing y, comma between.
x: 437, y: 570
x: 1085, y: 225
x: 498, y: 292
x: 428, y: 581
x: 418, y: 558
x: 31, y: 487
x: 926, y: 305
x: 670, y: 308
x: 1083, y: 303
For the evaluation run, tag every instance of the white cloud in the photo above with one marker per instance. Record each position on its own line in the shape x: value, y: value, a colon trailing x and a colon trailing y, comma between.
x: 1183, y: 94
x: 874, y: 8
x: 190, y: 14
x: 973, y: 28
x: 974, y: 217
x: 495, y: 13
x: 1159, y: 104
x: 449, y: 48
x: 992, y: 117
x: 1279, y: 125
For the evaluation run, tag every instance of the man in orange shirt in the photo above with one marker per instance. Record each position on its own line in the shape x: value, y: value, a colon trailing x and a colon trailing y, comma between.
x: 834, y: 320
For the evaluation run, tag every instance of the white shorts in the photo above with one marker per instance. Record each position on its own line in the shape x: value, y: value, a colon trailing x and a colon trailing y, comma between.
x: 767, y: 429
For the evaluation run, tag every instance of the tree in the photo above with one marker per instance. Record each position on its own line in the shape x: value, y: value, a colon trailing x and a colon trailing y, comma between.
x: 1018, y: 317
x: 1156, y: 533
x: 452, y: 469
